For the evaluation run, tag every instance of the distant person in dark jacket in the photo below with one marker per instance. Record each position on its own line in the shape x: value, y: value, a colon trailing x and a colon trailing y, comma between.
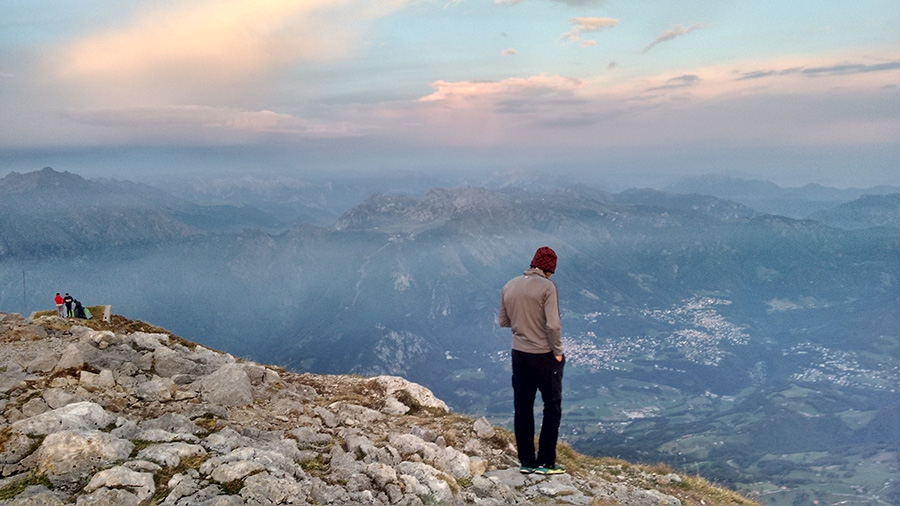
x: 68, y: 301
x: 79, y: 310
x: 58, y: 300
x: 529, y: 305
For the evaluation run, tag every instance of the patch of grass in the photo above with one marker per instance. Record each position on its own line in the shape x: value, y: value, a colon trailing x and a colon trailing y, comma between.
x: 209, y: 423
x: 502, y: 439
x: 698, y: 489
x: 661, y: 469
x: 409, y: 401
x: 691, y: 490
x: 415, y: 407
x: 464, y: 482
x: 18, y: 487
x: 597, y: 501
x: 353, y: 398
x: 373, y: 391
x: 140, y: 444
x: 5, y: 433
x: 454, y: 486
x: 316, y: 467
x: 233, y: 487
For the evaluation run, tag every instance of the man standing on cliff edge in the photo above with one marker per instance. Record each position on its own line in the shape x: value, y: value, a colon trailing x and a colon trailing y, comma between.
x: 529, y: 305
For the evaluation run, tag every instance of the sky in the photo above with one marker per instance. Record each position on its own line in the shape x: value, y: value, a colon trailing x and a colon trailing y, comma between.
x: 631, y: 90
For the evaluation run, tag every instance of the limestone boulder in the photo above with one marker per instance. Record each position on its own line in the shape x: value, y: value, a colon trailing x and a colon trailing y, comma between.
x: 77, y: 416
x: 68, y: 457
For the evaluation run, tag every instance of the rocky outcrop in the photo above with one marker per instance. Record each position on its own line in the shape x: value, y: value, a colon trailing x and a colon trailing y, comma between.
x: 118, y: 416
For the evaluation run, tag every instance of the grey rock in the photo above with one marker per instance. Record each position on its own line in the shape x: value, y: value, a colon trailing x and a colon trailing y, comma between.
x: 172, y: 422
x: 57, y: 398
x: 35, y: 407
x: 170, y: 454
x: 328, y: 418
x: 209, y: 359
x: 164, y: 436
x: 223, y: 500
x: 428, y: 480
x: 180, y: 485
x: 97, y: 382
x: 451, y: 461
x: 108, y: 497
x: 354, y: 414
x: 290, y: 401
x: 9, y: 383
x: 308, y: 438
x: 147, y: 341
x: 79, y: 415
x: 142, y: 466
x: 483, y: 428
x: 477, y: 466
x: 14, y: 449
x: 380, y: 474
x: 232, y: 471
x: 182, y: 379
x: 36, y: 495
x: 69, y: 456
x: 223, y: 441
x: 119, y: 477
x: 229, y: 386
x: 263, y: 489
x: 394, y: 407
x: 423, y: 396
x: 125, y: 429
x: 156, y: 389
x: 71, y: 358
x: 104, y: 338
x: 427, y: 435
x: 274, y: 462
x: 255, y: 372
x: 44, y: 362
x: 170, y: 363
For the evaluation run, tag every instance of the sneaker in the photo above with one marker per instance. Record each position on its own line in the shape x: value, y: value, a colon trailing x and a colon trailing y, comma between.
x: 557, y: 469
x: 526, y: 470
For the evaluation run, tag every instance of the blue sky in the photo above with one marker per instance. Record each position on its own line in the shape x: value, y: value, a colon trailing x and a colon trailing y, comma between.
x: 796, y: 92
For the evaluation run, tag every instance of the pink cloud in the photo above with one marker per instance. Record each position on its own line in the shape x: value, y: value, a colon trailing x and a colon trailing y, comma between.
x: 677, y: 31
x: 712, y: 104
x: 190, y: 51
x: 588, y: 25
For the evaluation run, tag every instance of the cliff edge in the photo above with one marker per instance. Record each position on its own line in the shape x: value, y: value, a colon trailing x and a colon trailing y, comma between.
x: 123, y: 413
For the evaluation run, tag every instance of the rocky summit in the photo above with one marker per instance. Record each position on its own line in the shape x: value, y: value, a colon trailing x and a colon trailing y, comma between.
x: 123, y: 413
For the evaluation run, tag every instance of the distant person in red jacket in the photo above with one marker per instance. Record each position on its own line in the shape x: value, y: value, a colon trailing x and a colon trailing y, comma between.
x: 59, y: 305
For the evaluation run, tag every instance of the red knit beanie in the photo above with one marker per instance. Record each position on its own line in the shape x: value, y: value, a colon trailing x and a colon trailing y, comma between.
x: 544, y: 259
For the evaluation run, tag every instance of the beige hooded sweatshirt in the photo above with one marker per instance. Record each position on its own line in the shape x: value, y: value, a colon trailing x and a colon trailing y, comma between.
x: 529, y: 304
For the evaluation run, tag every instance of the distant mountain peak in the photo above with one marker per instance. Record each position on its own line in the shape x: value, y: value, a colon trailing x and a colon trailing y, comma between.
x: 16, y: 183
x: 437, y: 206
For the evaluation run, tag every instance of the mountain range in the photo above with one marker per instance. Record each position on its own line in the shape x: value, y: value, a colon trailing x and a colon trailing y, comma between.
x: 766, y: 196
x: 756, y: 348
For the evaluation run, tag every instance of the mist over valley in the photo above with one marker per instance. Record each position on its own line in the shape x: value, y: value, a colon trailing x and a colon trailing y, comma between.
x: 702, y: 328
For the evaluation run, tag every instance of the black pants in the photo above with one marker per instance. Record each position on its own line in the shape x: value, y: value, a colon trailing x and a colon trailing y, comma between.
x: 532, y: 372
